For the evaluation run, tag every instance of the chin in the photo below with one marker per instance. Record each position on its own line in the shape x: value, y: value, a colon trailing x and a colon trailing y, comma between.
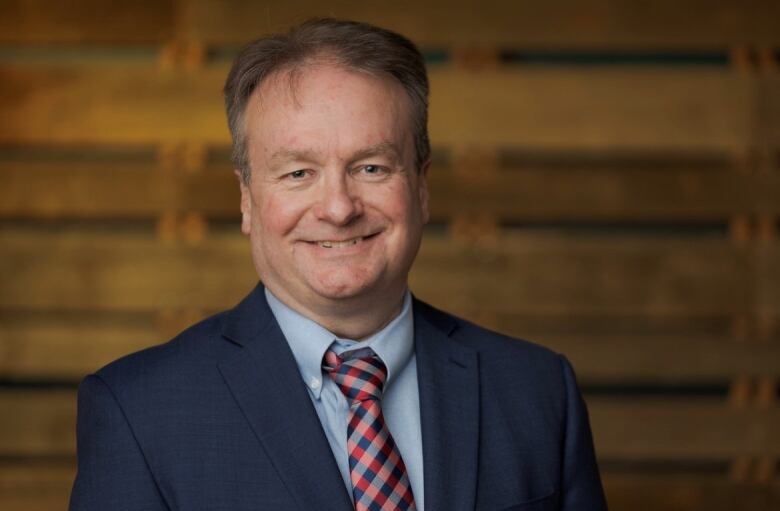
x: 340, y: 285
x: 340, y: 291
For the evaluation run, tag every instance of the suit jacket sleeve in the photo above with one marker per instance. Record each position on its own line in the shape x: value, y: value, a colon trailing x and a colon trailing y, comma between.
x: 112, y: 471
x: 581, y: 484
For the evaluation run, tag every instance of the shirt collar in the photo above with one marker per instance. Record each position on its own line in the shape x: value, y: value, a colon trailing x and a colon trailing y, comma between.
x: 309, y: 341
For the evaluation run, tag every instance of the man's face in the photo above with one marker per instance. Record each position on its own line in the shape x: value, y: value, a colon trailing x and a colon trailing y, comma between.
x: 336, y: 207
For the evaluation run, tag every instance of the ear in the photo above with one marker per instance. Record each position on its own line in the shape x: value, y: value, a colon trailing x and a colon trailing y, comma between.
x: 422, y: 189
x: 246, y: 204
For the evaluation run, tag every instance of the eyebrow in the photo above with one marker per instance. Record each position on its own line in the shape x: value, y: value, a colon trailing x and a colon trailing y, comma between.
x: 381, y: 149
x: 283, y: 155
x: 307, y: 155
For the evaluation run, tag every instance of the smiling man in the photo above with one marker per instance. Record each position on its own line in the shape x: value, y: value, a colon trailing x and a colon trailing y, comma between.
x: 330, y: 387
x: 334, y: 200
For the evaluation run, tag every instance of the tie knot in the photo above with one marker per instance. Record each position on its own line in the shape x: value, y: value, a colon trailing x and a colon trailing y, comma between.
x: 360, y: 374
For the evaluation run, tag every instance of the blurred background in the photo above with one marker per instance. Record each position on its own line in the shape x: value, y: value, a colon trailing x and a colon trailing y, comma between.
x: 606, y: 181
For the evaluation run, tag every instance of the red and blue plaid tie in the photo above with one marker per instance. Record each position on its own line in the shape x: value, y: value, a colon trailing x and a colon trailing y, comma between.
x: 379, y: 479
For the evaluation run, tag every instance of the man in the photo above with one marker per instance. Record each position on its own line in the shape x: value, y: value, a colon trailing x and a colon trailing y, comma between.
x: 330, y: 387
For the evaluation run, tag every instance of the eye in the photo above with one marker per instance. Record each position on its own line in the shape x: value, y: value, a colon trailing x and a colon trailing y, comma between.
x: 370, y: 171
x: 297, y: 174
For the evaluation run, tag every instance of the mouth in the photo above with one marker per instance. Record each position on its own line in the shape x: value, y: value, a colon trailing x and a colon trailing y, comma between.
x: 343, y: 243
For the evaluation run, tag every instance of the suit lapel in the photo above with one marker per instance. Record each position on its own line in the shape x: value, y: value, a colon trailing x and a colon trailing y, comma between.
x: 264, y: 379
x: 448, y: 379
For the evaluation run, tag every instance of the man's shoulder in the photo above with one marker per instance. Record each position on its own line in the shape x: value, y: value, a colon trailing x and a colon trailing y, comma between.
x: 187, y: 352
x: 490, y: 344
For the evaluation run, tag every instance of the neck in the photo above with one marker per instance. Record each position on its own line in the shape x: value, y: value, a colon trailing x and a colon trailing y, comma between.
x: 350, y: 318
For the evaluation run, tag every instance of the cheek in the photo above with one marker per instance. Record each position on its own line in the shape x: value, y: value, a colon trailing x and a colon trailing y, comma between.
x: 276, y: 215
x: 403, y: 204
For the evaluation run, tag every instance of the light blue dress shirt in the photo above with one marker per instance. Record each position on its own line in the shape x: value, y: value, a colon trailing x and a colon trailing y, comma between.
x: 394, y: 344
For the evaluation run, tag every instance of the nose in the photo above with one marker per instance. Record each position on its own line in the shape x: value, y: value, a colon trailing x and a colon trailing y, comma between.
x: 338, y: 202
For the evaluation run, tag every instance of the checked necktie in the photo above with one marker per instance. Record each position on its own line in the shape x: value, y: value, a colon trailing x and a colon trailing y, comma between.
x: 378, y: 474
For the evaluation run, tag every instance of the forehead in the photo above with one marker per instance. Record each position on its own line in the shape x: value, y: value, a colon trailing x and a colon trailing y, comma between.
x: 295, y: 85
x: 325, y: 104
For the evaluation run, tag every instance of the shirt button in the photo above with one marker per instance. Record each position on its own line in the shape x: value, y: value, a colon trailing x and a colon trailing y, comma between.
x: 315, y: 383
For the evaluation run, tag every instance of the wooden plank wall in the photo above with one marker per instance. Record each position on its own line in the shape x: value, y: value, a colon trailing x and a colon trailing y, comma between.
x: 606, y: 182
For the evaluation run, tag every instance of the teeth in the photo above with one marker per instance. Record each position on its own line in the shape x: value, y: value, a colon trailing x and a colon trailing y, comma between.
x: 339, y: 244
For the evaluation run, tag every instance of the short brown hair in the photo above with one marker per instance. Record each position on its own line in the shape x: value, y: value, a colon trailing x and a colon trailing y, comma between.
x: 354, y: 45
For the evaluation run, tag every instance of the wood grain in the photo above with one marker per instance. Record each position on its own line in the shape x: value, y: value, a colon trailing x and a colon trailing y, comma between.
x: 684, y: 492
x: 117, y: 189
x: 579, y: 195
x: 85, y: 21
x: 116, y: 270
x: 582, y: 274
x: 36, y: 484
x: 111, y: 104
x: 768, y: 284
x: 65, y: 347
x: 681, y: 429
x: 38, y: 423
x: 684, y: 109
x: 568, y: 23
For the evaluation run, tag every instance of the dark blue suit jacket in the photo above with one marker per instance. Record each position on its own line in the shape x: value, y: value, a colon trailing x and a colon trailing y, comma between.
x: 220, y: 419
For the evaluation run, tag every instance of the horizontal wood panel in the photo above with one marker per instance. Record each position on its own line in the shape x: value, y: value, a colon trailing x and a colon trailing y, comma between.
x: 122, y: 189
x: 684, y: 429
x: 113, y: 190
x: 72, y: 269
x: 658, y: 109
x: 670, y: 360
x: 553, y: 274
x: 36, y: 485
x: 566, y: 23
x: 111, y: 104
x: 38, y: 423
x: 771, y: 116
x: 85, y: 21
x: 768, y: 285
x: 42, y: 423
x: 682, y: 109
x: 122, y: 271
x: 687, y: 493
x: 597, y: 23
x: 32, y: 486
x: 530, y: 194
x: 49, y: 346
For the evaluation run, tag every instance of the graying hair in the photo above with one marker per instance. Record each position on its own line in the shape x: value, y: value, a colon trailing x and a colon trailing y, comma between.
x: 354, y: 45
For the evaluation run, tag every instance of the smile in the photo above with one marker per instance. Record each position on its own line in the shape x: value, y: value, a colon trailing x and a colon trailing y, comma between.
x: 340, y: 244
x: 344, y: 243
